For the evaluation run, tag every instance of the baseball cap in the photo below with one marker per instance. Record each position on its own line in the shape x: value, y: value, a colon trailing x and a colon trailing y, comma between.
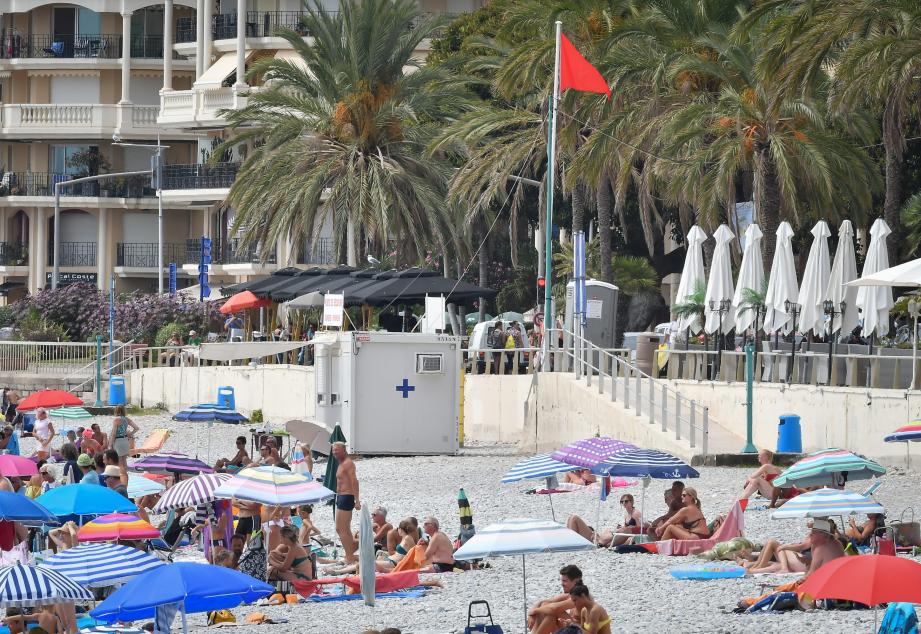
x: 84, y: 460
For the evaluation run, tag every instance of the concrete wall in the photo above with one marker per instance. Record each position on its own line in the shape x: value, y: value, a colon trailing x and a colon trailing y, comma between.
x: 494, y: 407
x: 851, y: 418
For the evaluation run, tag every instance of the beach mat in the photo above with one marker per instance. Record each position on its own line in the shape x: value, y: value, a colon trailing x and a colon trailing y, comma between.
x: 403, y: 594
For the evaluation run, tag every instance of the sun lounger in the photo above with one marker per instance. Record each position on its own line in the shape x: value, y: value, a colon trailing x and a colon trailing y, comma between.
x: 153, y: 443
x: 731, y: 527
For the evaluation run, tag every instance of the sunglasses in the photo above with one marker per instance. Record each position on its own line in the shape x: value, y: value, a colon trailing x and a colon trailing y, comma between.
x: 625, y: 501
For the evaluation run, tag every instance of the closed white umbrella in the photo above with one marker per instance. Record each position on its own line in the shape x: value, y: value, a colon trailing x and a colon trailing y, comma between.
x: 815, y: 282
x: 719, y: 284
x: 308, y: 300
x: 692, y: 276
x: 843, y: 271
x: 782, y: 287
x: 751, y: 275
x: 876, y: 301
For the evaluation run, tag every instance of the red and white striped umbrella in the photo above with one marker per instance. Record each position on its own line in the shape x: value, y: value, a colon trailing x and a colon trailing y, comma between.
x: 191, y: 492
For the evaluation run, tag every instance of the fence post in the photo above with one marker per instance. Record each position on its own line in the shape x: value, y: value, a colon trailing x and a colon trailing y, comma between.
x: 98, y: 402
x: 639, y: 392
x: 614, y: 373
x: 706, y: 429
x: 626, y: 386
x: 600, y: 373
x: 691, y: 432
x: 677, y: 415
x: 664, y: 407
x: 652, y: 400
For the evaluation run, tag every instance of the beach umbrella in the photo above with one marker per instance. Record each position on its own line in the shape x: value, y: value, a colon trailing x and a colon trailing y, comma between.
x: 192, y: 492
x: 17, y: 466
x: 171, y: 462
x: 588, y: 452
x: 18, y: 508
x: 32, y: 586
x: 366, y: 555
x: 827, y: 502
x: 692, y: 276
x: 522, y: 537
x: 190, y: 587
x: 314, y: 434
x: 751, y: 276
x: 112, y: 629
x: 829, y: 466
x: 719, y: 284
x: 81, y: 500
x: 117, y: 527
x: 905, y: 274
x: 510, y: 315
x: 243, y: 301
x: 70, y: 413
x: 782, y: 286
x: 48, y: 399
x: 535, y: 467
x: 209, y: 412
x: 273, y: 486
x: 906, y: 434
x: 867, y: 579
x: 332, y: 465
x: 102, y: 565
x: 875, y: 301
x: 844, y: 271
x: 139, y: 486
x: 815, y: 282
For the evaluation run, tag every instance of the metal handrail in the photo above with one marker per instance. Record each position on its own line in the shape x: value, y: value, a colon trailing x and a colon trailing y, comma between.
x: 92, y: 365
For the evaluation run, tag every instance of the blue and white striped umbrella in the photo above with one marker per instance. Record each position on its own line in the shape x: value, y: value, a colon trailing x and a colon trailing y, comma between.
x: 646, y: 463
x: 539, y: 466
x: 32, y: 586
x: 826, y: 503
x: 210, y: 412
x: 522, y: 537
x: 102, y: 565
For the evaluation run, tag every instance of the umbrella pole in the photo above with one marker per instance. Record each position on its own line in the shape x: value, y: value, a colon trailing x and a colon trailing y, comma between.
x: 524, y: 592
x: 552, y: 512
x: 185, y: 624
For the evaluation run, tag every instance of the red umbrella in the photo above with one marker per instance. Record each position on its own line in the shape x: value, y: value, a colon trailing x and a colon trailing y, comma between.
x: 48, y: 399
x: 11, y: 465
x: 242, y: 301
x: 867, y: 579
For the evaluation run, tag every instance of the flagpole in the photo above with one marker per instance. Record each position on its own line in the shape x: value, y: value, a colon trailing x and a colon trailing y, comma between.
x: 549, y: 321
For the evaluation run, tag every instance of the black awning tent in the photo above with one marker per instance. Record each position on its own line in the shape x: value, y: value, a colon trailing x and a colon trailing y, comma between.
x: 413, y: 285
x: 307, y: 283
x: 255, y: 286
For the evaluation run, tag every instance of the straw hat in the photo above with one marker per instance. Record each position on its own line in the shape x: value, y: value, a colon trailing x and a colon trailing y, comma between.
x: 111, y: 471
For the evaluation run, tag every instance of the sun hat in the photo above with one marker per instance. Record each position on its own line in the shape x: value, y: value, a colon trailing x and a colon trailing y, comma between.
x: 84, y: 460
x: 111, y: 472
x: 822, y: 524
x: 46, y: 468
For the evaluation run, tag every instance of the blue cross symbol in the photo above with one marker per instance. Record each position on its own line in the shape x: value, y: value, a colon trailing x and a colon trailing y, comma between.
x: 406, y: 388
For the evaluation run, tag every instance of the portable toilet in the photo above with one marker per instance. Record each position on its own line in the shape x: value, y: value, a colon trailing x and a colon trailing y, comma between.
x: 600, y: 314
x: 226, y: 398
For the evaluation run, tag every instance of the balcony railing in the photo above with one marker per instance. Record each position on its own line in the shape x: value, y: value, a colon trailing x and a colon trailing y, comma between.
x: 80, y: 254
x: 41, y: 117
x: 232, y: 253
x: 14, y: 254
x: 42, y: 184
x: 200, y: 176
x: 144, y: 254
x: 15, y: 45
x: 323, y: 252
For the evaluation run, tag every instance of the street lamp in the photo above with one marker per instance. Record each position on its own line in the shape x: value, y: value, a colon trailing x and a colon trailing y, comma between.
x: 829, y: 308
x: 156, y: 169
x: 793, y: 309
x: 721, y: 307
x: 914, y: 309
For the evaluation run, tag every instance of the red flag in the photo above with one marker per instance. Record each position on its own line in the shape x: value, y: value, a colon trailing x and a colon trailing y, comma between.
x: 577, y: 73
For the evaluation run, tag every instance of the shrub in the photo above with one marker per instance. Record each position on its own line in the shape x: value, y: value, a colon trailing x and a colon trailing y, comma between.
x: 165, y: 332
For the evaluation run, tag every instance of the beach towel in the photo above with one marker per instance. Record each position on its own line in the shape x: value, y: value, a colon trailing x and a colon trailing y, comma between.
x: 388, y: 582
x: 405, y: 594
x: 732, y: 527
x: 413, y: 559
x: 900, y: 618
x: 153, y: 443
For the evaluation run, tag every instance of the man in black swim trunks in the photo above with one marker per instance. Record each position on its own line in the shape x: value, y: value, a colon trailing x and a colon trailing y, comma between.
x: 346, y: 500
x: 440, y: 552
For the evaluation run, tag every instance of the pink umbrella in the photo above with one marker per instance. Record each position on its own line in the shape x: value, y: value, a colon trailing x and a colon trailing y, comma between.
x: 587, y: 453
x: 11, y: 465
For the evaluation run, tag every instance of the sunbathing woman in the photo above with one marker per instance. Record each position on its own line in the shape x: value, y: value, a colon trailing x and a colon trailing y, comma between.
x: 863, y: 534
x: 779, y: 558
x: 289, y: 560
x: 633, y: 520
x: 688, y: 523
x: 408, y: 537
x: 581, y: 477
x: 593, y: 619
x: 761, y: 481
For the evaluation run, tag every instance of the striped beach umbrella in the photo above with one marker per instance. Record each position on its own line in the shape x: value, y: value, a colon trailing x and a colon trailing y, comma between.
x: 646, y: 463
x: 139, y: 486
x: 102, y: 565
x: 273, y: 486
x: 535, y: 467
x: 906, y: 434
x: 115, y: 527
x: 588, y: 452
x: 829, y: 466
x: 32, y: 586
x: 210, y: 412
x: 191, y: 492
x: 70, y: 413
x: 171, y: 462
x: 826, y: 503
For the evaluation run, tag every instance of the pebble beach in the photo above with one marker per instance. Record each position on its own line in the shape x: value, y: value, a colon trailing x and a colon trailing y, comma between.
x: 636, y: 590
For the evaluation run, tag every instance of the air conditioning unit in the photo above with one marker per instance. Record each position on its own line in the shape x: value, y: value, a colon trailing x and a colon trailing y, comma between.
x: 429, y: 364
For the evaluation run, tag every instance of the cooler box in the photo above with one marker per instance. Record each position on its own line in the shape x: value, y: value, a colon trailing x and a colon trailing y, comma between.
x: 789, y: 434
x: 226, y: 398
x: 117, y: 391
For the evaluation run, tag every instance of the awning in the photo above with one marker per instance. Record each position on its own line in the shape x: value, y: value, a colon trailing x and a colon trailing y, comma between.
x: 194, y: 293
x: 220, y: 70
x: 247, y: 349
x: 6, y: 287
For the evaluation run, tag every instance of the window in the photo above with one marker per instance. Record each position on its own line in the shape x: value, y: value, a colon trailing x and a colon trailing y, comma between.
x: 62, y: 159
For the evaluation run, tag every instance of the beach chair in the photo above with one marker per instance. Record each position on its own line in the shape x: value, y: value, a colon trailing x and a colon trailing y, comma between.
x: 174, y: 535
x: 482, y: 626
x: 732, y: 526
x: 153, y: 443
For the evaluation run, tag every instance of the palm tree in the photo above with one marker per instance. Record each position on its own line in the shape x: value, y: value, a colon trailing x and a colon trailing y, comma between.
x: 343, y: 133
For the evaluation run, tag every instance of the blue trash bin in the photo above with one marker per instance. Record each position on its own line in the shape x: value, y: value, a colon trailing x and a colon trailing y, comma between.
x: 789, y: 434
x: 117, y: 391
x: 225, y: 397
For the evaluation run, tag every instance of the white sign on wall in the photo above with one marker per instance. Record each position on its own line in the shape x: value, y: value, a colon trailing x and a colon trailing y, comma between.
x: 333, y: 307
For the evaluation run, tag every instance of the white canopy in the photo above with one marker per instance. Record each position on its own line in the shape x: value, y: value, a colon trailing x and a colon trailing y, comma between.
x: 692, y: 276
x: 246, y: 349
x: 905, y: 274
x: 194, y: 293
x: 719, y: 284
x: 782, y: 285
x: 843, y: 270
x: 875, y: 301
x: 815, y: 282
x: 751, y: 275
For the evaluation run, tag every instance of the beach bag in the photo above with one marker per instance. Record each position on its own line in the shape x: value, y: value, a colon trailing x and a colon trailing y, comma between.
x: 510, y: 343
x: 907, y: 533
x: 254, y: 559
x: 221, y: 616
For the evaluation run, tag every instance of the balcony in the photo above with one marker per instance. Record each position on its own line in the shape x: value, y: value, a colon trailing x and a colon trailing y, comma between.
x: 42, y: 184
x: 232, y: 253
x: 44, y: 46
x: 323, y: 252
x: 143, y: 255
x: 75, y: 254
x: 14, y: 254
x: 200, y: 176
x: 198, y: 107
x: 75, y: 121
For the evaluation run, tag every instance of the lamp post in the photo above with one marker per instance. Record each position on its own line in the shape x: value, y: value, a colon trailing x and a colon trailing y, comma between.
x: 914, y: 309
x: 721, y: 307
x: 793, y: 309
x: 749, y: 400
x: 829, y: 308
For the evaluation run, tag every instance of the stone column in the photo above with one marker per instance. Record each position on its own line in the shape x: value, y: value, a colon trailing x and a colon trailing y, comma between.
x: 200, y: 38
x: 240, y: 85
x: 126, y: 58
x: 168, y: 45
x: 208, y: 35
x: 103, y: 255
x: 38, y: 248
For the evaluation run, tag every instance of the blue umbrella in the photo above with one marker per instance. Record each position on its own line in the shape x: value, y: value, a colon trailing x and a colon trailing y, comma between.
x: 19, y: 508
x: 101, y: 565
x: 75, y: 501
x: 210, y: 412
x: 646, y: 463
x: 195, y: 587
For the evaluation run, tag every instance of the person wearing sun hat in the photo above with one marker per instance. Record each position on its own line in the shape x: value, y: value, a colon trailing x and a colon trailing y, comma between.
x: 116, y: 478
x: 825, y: 547
x: 87, y: 464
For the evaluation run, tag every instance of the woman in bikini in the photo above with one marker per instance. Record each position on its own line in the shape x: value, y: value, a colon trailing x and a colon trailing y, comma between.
x: 582, y: 477
x: 593, y: 619
x: 289, y: 561
x: 688, y: 523
x: 408, y: 537
x: 761, y: 481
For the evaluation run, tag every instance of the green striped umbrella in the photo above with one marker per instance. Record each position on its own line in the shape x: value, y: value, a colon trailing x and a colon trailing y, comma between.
x: 332, y: 465
x: 829, y: 467
x: 70, y: 413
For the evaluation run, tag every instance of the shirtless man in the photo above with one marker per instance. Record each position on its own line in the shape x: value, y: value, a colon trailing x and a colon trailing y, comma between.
x: 347, y: 499
x: 673, y: 501
x: 548, y: 615
x: 439, y: 553
x: 825, y: 548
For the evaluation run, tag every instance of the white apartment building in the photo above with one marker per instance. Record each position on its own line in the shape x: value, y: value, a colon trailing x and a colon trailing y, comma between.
x: 72, y: 76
